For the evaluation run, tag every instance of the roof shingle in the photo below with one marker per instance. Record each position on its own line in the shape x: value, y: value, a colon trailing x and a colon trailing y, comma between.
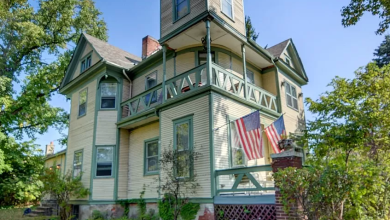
x: 277, y: 49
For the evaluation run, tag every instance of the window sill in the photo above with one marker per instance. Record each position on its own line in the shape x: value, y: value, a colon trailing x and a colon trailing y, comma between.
x: 152, y: 173
x: 232, y: 19
x: 180, y: 18
x: 107, y: 109
x: 80, y: 116
x: 295, y: 109
x: 103, y: 177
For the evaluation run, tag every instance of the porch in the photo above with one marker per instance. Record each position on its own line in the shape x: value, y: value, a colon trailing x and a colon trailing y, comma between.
x: 193, y: 82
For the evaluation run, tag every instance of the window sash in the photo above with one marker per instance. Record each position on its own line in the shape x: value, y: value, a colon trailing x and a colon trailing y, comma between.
x: 151, y: 80
x: 77, y: 163
x: 82, y: 102
x: 250, y: 76
x: 291, y: 96
x: 227, y: 8
x: 183, y: 146
x: 181, y: 8
x: 108, y: 93
x: 238, y: 157
x: 86, y: 63
x: 104, y: 161
x: 182, y: 140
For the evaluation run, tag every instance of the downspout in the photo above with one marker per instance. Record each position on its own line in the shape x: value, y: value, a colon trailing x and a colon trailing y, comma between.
x: 278, y: 86
x: 130, y: 82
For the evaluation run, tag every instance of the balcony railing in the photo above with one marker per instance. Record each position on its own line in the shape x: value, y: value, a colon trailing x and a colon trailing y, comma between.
x: 193, y: 80
x: 244, y: 180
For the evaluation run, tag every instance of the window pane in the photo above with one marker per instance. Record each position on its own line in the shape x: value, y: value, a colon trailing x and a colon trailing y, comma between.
x: 83, y: 96
x: 295, y: 103
x: 108, y: 102
x: 152, y: 164
x: 293, y: 92
x: 104, y: 154
x: 151, y: 80
x: 77, y: 163
x: 288, y: 90
x: 289, y: 101
x: 238, y: 156
x: 82, y: 65
x: 152, y: 149
x: 183, y: 164
x: 88, y: 62
x: 227, y: 8
x: 250, y: 76
x: 108, y: 89
x: 181, y: 8
x: 182, y: 136
x: 82, y: 109
x: 103, y: 169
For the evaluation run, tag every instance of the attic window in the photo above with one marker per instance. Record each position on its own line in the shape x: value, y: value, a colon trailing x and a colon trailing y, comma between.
x: 288, y: 61
x: 86, y: 63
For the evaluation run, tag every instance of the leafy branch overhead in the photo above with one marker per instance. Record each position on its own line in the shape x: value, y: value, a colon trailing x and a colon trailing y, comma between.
x: 355, y: 10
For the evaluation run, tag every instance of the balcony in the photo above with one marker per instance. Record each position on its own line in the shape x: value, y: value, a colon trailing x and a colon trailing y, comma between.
x: 193, y: 82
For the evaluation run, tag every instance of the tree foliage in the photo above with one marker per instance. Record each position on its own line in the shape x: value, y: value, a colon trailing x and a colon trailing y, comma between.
x: 177, y: 189
x: 354, y: 11
x: 382, y: 53
x: 349, y: 168
x: 63, y: 187
x: 250, y: 30
x: 20, y: 169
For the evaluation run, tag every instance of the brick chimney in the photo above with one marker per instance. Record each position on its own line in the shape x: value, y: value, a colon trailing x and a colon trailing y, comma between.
x: 149, y: 46
x: 49, y: 149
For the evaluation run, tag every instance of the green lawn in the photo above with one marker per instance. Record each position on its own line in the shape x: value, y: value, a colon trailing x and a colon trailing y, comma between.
x: 15, y: 213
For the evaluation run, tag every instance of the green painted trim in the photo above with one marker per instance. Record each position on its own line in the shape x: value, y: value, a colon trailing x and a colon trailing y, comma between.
x: 93, y: 202
x: 182, y: 120
x: 209, y: 58
x: 278, y: 97
x: 86, y: 103
x: 159, y: 153
x: 164, y: 91
x: 290, y: 78
x: 211, y: 145
x: 93, y: 159
x: 174, y: 64
x: 183, y: 27
x: 243, y: 170
x: 94, y: 165
x: 174, y: 15
x: 245, y: 200
x: 99, y: 100
x: 291, y: 72
x: 118, y: 144
x: 147, y: 141
x: 82, y: 161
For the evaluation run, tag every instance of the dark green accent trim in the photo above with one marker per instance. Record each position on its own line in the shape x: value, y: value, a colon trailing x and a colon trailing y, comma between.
x: 183, y: 27
x: 164, y: 91
x: 93, y: 160
x: 93, y: 202
x: 118, y: 144
x: 86, y: 104
x: 209, y: 58
x: 182, y: 120
x: 94, y: 165
x: 291, y: 72
x: 147, y: 141
x: 278, y: 97
x: 211, y: 146
x: 174, y: 64
x: 174, y: 15
x: 137, y: 118
x: 290, y: 78
x: 299, y: 60
x: 243, y: 170
x: 82, y: 161
x: 159, y: 153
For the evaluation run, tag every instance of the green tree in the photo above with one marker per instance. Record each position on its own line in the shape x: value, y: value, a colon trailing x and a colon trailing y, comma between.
x: 382, y: 53
x: 354, y: 11
x: 250, y: 30
x: 63, y: 187
x: 349, y: 174
x: 29, y: 36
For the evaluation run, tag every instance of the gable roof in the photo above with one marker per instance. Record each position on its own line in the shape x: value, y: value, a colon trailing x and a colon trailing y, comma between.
x: 278, y: 49
x: 111, y: 53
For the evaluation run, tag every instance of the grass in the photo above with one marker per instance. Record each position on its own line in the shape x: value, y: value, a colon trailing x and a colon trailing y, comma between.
x: 16, y: 214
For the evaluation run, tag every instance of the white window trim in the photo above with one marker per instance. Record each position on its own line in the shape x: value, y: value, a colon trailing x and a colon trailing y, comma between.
x: 231, y: 18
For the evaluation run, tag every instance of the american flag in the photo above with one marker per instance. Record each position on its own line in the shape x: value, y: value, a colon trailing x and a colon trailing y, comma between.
x: 274, y: 132
x: 249, y: 135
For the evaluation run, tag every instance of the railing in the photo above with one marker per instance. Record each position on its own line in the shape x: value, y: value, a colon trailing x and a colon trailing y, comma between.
x: 186, y: 82
x: 142, y: 102
x: 244, y: 180
x: 235, y: 85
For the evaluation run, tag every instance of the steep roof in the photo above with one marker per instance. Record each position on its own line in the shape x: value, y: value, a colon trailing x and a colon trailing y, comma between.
x: 111, y: 53
x: 278, y: 49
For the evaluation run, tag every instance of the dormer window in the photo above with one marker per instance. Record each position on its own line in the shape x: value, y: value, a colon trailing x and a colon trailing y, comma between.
x: 182, y: 8
x: 86, y: 63
x: 288, y: 61
x: 227, y: 8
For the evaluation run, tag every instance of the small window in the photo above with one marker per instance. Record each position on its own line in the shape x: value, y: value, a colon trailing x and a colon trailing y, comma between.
x: 291, y: 96
x: 150, y: 82
x: 77, y: 163
x: 181, y: 8
x: 250, y: 76
x: 227, y: 8
x: 86, y: 63
x: 183, y: 146
x: 108, y: 95
x: 151, y: 157
x: 83, y: 102
x: 104, y: 161
x: 202, y: 57
x: 237, y: 152
x: 288, y: 61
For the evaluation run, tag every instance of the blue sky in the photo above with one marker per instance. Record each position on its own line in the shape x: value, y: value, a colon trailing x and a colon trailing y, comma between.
x: 326, y: 48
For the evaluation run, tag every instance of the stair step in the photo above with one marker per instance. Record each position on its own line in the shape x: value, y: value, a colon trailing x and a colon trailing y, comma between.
x: 44, y: 207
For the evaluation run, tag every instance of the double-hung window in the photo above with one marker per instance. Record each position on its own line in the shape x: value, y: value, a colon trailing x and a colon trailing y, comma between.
x: 291, y: 96
x: 77, y: 163
x: 238, y: 158
x: 151, y: 156
x: 83, y: 102
x: 150, y: 82
x: 108, y: 95
x: 104, y: 161
x: 183, y: 138
x: 227, y: 8
x: 86, y: 63
x: 250, y: 76
x: 182, y: 8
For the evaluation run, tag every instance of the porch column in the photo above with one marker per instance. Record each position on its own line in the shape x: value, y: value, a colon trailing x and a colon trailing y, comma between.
x: 209, y: 60
x: 244, y: 66
x: 164, y: 47
x: 289, y: 158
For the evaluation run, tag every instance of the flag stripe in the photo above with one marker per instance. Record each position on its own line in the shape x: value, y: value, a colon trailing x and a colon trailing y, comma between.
x: 242, y: 138
x: 274, y: 132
